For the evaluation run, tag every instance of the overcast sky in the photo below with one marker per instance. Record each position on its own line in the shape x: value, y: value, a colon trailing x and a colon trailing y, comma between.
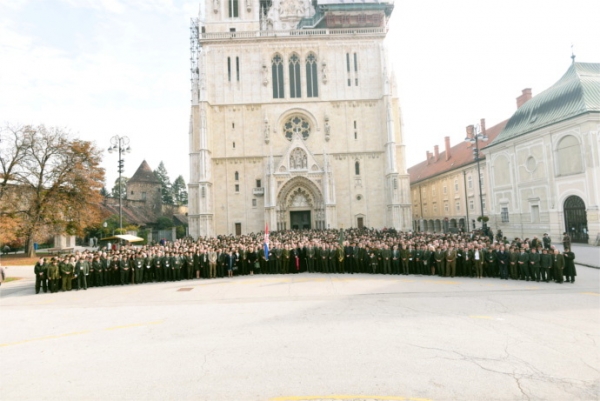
x: 121, y: 67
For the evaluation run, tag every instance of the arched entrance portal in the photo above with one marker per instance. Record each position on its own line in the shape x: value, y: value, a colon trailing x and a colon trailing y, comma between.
x: 576, y: 219
x: 300, y: 205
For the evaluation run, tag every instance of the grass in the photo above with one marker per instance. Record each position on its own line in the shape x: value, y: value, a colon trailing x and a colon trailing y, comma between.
x: 18, y: 260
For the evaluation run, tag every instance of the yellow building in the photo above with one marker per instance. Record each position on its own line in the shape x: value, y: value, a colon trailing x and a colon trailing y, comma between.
x: 445, y: 188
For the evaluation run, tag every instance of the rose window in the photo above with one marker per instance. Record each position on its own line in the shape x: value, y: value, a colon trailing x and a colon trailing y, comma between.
x: 296, y: 125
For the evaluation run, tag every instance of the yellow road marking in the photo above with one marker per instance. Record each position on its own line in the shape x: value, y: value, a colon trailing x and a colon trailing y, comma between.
x: 480, y: 317
x: 347, y: 397
x: 591, y: 293
x: 79, y: 333
x: 45, y: 338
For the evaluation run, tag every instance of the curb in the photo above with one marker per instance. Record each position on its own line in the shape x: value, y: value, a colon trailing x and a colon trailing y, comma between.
x: 586, y: 265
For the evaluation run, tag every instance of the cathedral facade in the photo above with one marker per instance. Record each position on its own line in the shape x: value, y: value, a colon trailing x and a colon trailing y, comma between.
x: 295, y: 121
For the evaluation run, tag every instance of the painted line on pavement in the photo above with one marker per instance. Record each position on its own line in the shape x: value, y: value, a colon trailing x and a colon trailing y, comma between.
x: 348, y: 397
x: 79, y: 333
x: 46, y: 338
x: 592, y: 293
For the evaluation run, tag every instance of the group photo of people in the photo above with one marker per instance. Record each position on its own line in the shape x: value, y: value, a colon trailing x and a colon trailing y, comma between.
x: 350, y: 251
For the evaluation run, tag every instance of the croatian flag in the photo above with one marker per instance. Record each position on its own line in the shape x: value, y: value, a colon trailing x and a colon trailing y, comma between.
x: 266, y: 244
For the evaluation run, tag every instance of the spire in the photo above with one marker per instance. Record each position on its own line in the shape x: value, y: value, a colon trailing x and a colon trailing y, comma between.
x: 572, y: 55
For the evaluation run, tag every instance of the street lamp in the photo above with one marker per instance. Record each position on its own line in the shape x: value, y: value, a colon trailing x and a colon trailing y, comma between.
x: 476, y: 133
x: 120, y: 144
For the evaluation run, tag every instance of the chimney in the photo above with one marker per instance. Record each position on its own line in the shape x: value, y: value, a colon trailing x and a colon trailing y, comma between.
x: 436, y: 150
x: 482, y: 125
x: 525, y: 96
x: 447, y: 140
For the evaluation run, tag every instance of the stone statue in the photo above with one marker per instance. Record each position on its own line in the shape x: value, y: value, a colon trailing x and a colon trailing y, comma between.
x: 324, y: 72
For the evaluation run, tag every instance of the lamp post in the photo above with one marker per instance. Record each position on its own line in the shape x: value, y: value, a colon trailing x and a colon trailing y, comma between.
x: 475, y: 134
x: 120, y: 144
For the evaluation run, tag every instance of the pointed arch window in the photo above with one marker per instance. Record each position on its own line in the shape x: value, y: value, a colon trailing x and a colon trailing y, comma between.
x: 277, y: 76
x: 357, y: 168
x: 294, y: 68
x: 312, y: 83
x: 237, y: 176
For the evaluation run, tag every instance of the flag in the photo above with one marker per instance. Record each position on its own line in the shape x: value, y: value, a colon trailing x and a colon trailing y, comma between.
x: 266, y: 244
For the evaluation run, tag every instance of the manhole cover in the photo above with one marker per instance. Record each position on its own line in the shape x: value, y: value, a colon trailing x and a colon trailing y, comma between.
x: 185, y: 289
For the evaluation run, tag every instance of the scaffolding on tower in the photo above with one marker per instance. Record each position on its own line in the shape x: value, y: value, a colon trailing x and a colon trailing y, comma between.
x: 195, y: 49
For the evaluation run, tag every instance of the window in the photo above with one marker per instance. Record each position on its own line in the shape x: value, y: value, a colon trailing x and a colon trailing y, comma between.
x: 424, y: 210
x: 481, y: 181
x: 433, y: 191
x: 233, y: 9
x: 296, y: 125
x: 445, y: 189
x: 535, y: 213
x: 237, y: 68
x: 277, y: 76
x: 395, y: 183
x: 312, y: 82
x: 258, y: 184
x: 456, y: 185
x: 483, y: 204
x: 504, y: 215
x: 348, y: 68
x: 294, y: 68
x: 237, y: 187
x: 143, y: 196
x: 434, y: 207
x: 254, y: 202
x: 229, y: 69
x: 457, y: 205
x: 131, y: 192
x: 234, y: 145
x: 203, y: 192
x: 471, y: 204
x: 355, y: 70
x: 469, y: 181
x: 357, y: 168
x: 569, y: 156
x: 446, y: 207
x: 237, y: 176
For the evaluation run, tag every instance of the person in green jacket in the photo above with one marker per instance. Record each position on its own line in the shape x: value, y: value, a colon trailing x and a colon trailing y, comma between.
x: 545, y: 265
x: 66, y: 271
x: 53, y: 274
x: 534, y: 265
x: 524, y: 265
x: 558, y: 264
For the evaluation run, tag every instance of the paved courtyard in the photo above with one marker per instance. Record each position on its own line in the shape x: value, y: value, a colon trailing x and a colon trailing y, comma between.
x: 304, y: 337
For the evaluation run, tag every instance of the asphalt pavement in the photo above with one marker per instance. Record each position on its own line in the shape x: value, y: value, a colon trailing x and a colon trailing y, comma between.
x: 304, y: 337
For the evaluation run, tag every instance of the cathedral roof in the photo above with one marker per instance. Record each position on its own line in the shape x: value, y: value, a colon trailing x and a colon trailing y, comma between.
x: 460, y: 155
x: 576, y: 93
x: 144, y: 174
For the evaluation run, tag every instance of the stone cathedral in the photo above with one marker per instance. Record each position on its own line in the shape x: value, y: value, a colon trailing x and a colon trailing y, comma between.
x: 295, y: 119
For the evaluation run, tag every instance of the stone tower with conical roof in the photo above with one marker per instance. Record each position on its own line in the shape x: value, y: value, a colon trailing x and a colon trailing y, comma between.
x: 144, y: 186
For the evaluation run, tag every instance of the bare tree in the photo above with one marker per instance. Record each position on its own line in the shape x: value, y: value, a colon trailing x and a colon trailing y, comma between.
x: 55, y: 183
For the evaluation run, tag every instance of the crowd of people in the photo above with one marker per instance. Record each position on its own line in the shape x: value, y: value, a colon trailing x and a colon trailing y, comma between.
x: 315, y: 251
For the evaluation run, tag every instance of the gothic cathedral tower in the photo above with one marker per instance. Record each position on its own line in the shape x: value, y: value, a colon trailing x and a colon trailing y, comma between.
x: 295, y: 120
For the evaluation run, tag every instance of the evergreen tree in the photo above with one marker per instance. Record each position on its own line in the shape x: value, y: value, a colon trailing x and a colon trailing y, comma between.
x: 179, y: 191
x: 115, y: 189
x: 104, y: 192
x: 165, y: 183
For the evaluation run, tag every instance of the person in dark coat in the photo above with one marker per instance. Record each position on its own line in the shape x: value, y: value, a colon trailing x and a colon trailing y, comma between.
x: 570, y: 272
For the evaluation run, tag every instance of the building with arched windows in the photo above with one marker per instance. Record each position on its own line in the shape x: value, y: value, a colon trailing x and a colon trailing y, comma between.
x: 295, y: 121
x: 544, y: 167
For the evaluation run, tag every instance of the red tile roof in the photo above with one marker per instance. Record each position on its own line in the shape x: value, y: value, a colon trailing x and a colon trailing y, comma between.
x: 460, y: 155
